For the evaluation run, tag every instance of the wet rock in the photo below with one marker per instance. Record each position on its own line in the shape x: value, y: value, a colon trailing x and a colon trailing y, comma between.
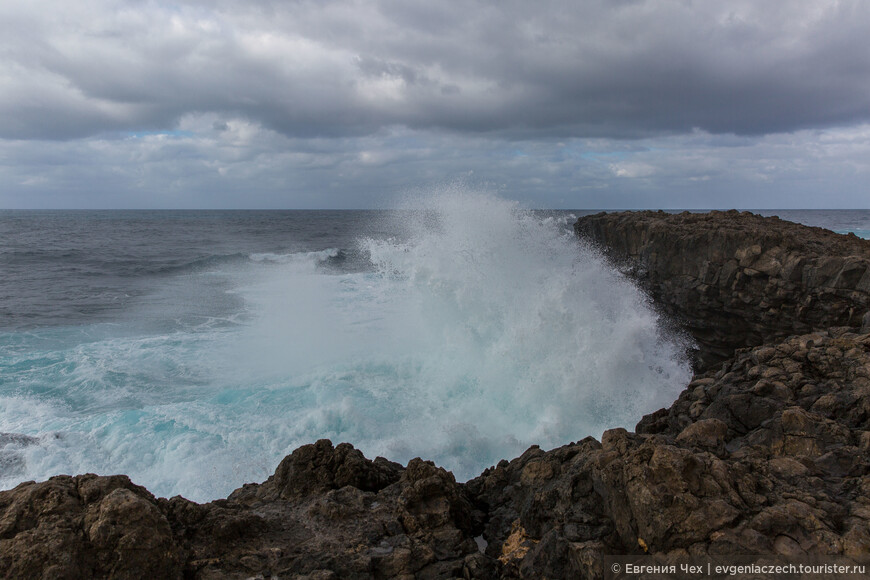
x: 11, y: 460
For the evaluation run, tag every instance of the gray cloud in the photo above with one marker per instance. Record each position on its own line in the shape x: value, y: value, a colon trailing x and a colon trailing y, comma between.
x: 518, y: 69
x: 233, y: 163
x: 335, y: 103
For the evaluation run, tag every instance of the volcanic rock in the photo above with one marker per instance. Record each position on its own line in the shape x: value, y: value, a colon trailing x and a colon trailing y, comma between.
x: 85, y: 527
x: 327, y: 512
x: 767, y: 455
x: 736, y: 280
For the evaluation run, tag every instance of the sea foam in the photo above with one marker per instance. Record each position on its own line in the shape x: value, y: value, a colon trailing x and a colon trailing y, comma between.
x: 478, y: 330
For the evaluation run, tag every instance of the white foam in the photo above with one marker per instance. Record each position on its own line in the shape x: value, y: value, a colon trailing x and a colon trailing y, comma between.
x: 486, y: 331
x: 310, y: 259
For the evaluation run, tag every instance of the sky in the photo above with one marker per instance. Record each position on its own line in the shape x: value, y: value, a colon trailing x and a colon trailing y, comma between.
x: 580, y: 104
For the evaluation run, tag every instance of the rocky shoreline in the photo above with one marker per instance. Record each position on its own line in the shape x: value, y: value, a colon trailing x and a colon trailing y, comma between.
x: 736, y: 280
x: 767, y: 450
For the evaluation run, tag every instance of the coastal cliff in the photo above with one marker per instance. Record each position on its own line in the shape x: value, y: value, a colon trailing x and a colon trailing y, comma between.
x: 737, y: 279
x: 767, y: 450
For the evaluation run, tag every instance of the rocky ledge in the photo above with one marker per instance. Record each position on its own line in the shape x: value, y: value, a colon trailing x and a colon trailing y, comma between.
x: 767, y: 453
x: 738, y: 279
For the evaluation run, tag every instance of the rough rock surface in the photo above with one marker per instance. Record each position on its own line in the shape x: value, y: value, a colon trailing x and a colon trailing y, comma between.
x: 85, y: 527
x: 768, y: 453
x: 327, y: 512
x: 738, y: 279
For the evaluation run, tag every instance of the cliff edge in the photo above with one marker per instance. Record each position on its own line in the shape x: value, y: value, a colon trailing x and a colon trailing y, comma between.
x: 735, y: 279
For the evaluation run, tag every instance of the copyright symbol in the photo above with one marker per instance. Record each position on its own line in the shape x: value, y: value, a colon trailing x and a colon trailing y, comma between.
x: 615, y: 568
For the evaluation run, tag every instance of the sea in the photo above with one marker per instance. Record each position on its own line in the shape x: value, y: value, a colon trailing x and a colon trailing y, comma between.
x: 193, y: 350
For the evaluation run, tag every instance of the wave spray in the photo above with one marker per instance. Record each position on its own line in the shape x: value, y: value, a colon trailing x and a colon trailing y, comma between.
x: 478, y: 330
x: 518, y: 334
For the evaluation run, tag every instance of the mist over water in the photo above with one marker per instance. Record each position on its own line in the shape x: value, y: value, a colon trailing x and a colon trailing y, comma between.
x: 472, y: 331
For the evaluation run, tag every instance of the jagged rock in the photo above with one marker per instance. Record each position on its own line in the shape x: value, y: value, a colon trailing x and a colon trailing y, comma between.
x: 85, y: 527
x: 327, y: 512
x: 736, y: 280
x: 762, y: 456
x: 319, y: 468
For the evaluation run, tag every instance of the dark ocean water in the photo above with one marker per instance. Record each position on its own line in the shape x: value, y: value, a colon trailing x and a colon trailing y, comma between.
x: 193, y: 349
x: 71, y: 267
x: 842, y: 221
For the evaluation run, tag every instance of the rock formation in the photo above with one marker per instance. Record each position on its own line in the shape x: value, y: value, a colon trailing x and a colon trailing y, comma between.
x: 767, y: 455
x: 737, y: 279
x: 326, y: 513
x: 769, y: 452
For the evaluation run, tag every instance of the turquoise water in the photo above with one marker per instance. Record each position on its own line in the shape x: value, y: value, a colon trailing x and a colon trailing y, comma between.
x: 193, y: 350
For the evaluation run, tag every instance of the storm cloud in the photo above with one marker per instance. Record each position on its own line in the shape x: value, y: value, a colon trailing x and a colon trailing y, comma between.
x: 594, y: 95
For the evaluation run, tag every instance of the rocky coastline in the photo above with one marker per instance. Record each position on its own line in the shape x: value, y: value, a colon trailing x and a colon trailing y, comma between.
x: 735, y: 280
x: 766, y: 451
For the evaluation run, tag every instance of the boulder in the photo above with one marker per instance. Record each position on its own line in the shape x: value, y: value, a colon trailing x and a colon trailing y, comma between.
x: 85, y: 527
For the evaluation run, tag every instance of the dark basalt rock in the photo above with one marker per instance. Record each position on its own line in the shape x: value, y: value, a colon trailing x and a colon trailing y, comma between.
x: 736, y: 280
x: 767, y: 453
x: 326, y: 513
x: 770, y: 454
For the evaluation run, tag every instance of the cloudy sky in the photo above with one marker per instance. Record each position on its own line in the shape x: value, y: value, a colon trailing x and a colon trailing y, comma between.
x: 350, y: 103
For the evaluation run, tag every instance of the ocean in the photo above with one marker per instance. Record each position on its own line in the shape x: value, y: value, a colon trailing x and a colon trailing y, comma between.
x: 193, y: 350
